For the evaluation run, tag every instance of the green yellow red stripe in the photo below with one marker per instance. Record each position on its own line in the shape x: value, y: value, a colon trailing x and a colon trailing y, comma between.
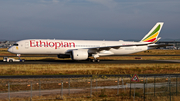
x: 152, y: 37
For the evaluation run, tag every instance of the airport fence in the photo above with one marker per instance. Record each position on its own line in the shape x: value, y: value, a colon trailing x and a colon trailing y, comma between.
x: 165, y: 87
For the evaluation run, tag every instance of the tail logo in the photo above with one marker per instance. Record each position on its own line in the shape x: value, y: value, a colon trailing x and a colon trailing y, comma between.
x: 153, y: 36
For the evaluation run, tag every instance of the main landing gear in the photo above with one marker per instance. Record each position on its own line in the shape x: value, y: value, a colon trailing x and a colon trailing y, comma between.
x: 95, y: 60
x: 95, y: 56
x: 19, y: 56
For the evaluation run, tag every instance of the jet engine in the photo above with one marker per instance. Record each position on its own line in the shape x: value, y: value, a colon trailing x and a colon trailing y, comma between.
x: 79, y: 54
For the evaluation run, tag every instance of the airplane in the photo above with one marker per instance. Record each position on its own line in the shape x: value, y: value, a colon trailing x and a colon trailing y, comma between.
x: 83, y: 49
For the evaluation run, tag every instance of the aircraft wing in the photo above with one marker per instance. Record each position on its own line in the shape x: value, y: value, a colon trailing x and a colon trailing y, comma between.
x: 118, y: 46
x: 115, y: 47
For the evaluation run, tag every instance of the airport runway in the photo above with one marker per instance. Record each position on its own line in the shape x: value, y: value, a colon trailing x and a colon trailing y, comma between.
x: 87, y: 62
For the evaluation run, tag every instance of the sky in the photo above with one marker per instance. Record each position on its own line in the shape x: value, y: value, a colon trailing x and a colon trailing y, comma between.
x: 87, y: 19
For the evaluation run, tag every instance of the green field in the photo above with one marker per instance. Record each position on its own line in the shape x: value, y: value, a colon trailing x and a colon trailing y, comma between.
x: 95, y: 69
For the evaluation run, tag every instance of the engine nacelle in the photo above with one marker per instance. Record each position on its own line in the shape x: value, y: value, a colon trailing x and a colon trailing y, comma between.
x: 63, y: 56
x: 79, y: 54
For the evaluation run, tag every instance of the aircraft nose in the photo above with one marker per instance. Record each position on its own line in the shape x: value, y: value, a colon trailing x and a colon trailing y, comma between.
x: 10, y: 50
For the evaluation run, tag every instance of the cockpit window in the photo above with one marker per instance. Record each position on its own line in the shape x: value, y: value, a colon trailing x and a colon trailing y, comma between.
x: 15, y: 44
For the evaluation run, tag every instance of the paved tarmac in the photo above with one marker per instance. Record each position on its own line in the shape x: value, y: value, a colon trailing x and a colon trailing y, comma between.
x: 88, y: 62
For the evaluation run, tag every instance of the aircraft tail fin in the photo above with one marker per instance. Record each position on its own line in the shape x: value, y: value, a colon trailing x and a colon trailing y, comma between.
x: 152, y: 36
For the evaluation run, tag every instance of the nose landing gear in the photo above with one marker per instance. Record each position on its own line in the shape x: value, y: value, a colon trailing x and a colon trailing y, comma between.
x: 19, y: 55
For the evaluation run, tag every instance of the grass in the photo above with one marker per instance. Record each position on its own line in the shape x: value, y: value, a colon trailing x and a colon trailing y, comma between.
x: 4, y: 52
x: 82, y: 69
x: 158, y: 52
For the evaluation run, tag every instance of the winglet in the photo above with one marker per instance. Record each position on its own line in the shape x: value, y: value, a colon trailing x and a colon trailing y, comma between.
x: 153, y: 33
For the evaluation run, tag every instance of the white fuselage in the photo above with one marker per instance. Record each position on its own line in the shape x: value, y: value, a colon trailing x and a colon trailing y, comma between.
x: 83, y: 49
x: 42, y: 46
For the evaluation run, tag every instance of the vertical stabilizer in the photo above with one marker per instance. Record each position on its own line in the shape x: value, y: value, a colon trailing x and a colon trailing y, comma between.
x: 152, y: 36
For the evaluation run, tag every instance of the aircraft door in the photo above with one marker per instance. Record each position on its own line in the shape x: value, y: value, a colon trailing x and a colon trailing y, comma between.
x: 26, y: 45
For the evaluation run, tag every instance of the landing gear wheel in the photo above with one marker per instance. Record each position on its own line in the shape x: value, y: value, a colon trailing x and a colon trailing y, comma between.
x: 98, y: 60
x: 93, y: 60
